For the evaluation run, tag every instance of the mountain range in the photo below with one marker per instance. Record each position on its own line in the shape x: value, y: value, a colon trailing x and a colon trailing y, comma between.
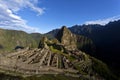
x: 59, y: 56
x: 97, y: 41
x: 105, y: 41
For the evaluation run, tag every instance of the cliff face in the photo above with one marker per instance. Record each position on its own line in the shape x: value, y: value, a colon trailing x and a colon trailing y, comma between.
x: 66, y: 38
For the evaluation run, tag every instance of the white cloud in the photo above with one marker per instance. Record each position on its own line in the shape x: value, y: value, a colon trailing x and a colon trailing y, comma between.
x: 104, y: 21
x: 10, y: 20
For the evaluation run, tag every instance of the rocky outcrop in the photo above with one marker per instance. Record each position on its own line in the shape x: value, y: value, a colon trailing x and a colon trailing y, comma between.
x: 66, y: 38
x: 43, y: 43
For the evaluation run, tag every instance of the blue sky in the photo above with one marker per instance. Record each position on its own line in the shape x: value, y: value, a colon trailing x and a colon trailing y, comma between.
x: 45, y: 15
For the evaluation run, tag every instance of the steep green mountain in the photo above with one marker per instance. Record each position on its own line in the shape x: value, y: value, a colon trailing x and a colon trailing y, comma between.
x: 9, y: 39
x: 85, y: 44
x: 36, y: 36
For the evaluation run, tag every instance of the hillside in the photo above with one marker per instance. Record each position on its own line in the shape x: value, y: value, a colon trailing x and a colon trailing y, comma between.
x: 56, y: 58
x: 10, y: 39
x: 105, y: 41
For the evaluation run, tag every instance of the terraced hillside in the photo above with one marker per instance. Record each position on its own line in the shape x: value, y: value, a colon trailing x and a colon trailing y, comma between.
x: 54, y: 58
x: 39, y: 61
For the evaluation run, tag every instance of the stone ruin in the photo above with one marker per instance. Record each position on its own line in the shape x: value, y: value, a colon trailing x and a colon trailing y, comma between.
x: 44, y: 60
x: 39, y: 61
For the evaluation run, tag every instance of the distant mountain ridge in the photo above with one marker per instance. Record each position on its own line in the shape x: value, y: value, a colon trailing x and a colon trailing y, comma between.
x: 9, y: 39
x: 106, y: 39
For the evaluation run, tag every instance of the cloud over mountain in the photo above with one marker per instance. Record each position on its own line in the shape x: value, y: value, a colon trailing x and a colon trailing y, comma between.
x: 104, y: 21
x: 8, y: 14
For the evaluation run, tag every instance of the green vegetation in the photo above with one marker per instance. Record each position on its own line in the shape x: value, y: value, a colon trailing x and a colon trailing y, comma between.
x: 57, y: 51
x: 9, y: 39
x: 9, y: 77
x: 102, y: 69
x: 37, y: 36
x: 107, y: 41
x: 52, y: 77
x: 41, y: 77
x: 85, y: 44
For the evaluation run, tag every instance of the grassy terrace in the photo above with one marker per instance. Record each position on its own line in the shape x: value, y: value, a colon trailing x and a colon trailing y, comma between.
x: 57, y: 51
x: 71, y: 58
x: 40, y: 77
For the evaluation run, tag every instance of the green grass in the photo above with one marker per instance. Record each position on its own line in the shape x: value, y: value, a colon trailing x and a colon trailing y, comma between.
x: 102, y: 69
x: 40, y: 77
x: 71, y: 58
x: 10, y: 77
x: 57, y: 51
x: 9, y: 39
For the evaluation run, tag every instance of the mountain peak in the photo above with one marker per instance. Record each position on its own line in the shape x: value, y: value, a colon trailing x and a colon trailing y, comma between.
x: 66, y: 38
x: 64, y: 27
x: 64, y: 30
